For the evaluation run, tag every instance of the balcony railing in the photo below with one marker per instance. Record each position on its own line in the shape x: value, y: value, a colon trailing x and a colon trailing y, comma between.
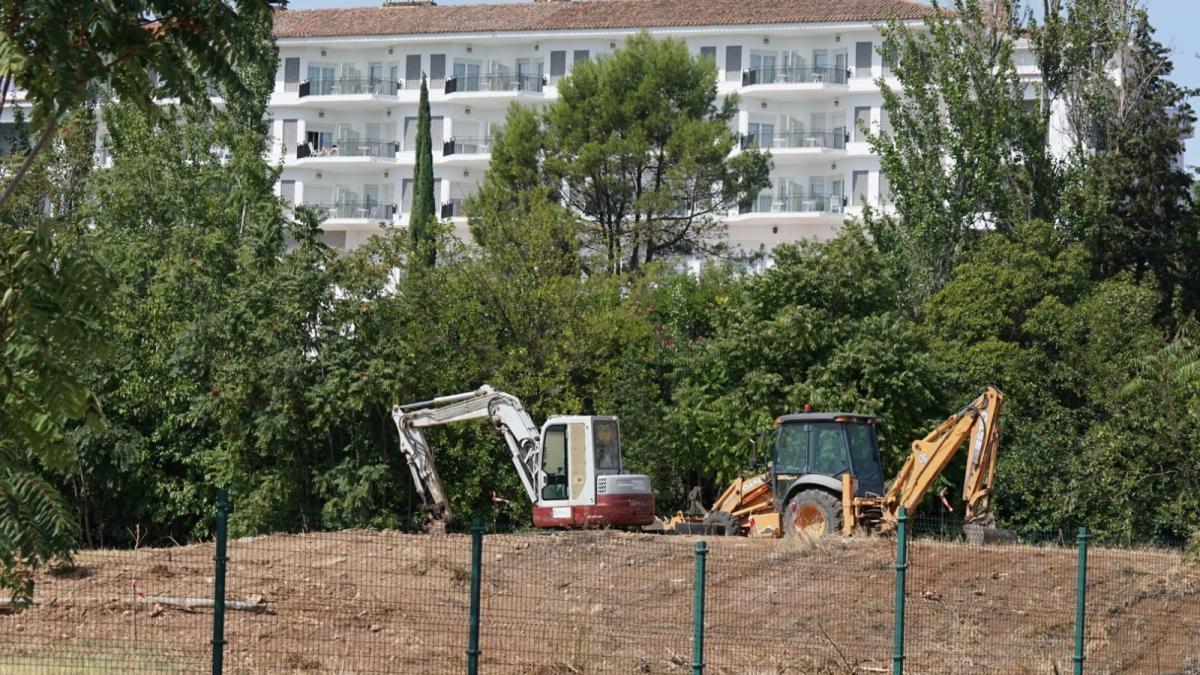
x: 467, y: 146
x: 816, y: 203
x: 796, y: 75
x: 349, y: 148
x: 348, y: 85
x: 816, y: 138
x: 462, y: 83
x: 366, y: 210
x: 452, y: 209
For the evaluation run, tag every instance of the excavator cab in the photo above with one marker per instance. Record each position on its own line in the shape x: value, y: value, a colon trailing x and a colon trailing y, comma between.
x: 813, y: 452
x: 581, y: 481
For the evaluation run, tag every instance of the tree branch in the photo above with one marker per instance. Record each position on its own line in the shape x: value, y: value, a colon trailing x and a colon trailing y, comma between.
x: 51, y: 127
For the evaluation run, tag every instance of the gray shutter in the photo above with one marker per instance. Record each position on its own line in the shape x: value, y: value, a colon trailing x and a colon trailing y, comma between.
x: 406, y: 195
x: 287, y: 192
x: 289, y: 138
x: 412, y: 71
x: 733, y: 63
x: 709, y: 53
x: 437, y: 71
x: 580, y: 55
x: 435, y: 132
x: 885, y: 189
x: 410, y: 134
x: 291, y: 73
x: 558, y: 64
x: 863, y: 54
x: 858, y: 187
x: 862, y: 120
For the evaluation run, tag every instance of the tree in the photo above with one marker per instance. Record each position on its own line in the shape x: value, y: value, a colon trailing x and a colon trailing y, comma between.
x: 57, y: 56
x: 1129, y: 197
x: 964, y: 152
x: 642, y: 149
x: 423, y: 215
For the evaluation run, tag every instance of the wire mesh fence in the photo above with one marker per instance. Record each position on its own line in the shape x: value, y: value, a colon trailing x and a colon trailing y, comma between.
x: 614, y: 602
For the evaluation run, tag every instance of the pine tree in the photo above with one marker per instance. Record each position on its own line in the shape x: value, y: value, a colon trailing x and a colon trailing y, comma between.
x: 422, y: 218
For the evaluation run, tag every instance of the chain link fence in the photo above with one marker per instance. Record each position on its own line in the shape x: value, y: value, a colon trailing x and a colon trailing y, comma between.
x: 614, y: 602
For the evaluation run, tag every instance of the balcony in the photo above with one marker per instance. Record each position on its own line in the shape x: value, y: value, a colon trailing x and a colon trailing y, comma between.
x: 452, y: 209
x: 347, y: 92
x: 794, y: 81
x: 347, y: 153
x: 797, y: 144
x: 356, y: 212
x: 466, y: 151
x: 799, y: 207
x: 502, y: 88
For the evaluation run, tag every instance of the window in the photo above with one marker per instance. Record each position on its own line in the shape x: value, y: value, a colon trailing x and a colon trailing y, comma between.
x: 554, y: 463
x: 733, y: 63
x: 606, y: 437
x: 864, y: 455
x: 858, y: 185
x: 793, y: 449
x: 558, y: 65
x: 828, y: 449
x: 862, y: 122
x: 885, y: 189
x: 762, y: 134
x: 709, y: 53
x: 863, y: 55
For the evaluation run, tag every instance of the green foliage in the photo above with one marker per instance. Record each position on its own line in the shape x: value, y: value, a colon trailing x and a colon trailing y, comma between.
x: 423, y: 214
x: 964, y: 152
x: 1131, y: 199
x: 643, y: 147
x: 56, y: 51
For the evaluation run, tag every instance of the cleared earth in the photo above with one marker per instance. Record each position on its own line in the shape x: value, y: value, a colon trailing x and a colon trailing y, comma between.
x: 615, y: 602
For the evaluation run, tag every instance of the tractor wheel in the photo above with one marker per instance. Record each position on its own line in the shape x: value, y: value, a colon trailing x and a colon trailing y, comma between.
x: 722, y: 523
x: 812, y: 513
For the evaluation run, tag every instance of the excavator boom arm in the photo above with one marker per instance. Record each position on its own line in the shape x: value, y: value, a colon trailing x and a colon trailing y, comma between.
x: 977, y: 423
x: 505, y: 413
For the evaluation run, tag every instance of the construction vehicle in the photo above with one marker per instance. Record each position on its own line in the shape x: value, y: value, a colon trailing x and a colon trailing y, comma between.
x: 826, y: 477
x: 570, y: 468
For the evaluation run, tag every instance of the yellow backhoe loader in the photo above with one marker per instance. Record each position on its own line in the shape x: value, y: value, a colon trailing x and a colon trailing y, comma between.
x: 826, y: 477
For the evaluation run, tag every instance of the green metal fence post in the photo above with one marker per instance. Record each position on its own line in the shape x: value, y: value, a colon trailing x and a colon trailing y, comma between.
x: 476, y: 573
x: 218, y: 640
x: 901, y: 571
x: 1080, y: 600
x: 698, y: 618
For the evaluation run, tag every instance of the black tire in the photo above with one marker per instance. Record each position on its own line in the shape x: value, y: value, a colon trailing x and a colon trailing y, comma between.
x: 722, y: 523
x: 813, y: 513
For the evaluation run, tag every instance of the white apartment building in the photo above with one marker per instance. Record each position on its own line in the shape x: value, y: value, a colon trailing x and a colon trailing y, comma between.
x: 344, y: 109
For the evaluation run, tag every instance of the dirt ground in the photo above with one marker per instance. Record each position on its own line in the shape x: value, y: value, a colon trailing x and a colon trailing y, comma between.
x: 613, y: 602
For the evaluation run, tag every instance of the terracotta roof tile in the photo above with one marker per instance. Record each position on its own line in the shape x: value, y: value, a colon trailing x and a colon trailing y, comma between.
x: 583, y: 15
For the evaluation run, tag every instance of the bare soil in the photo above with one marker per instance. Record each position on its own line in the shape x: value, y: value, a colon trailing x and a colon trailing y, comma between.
x: 587, y: 602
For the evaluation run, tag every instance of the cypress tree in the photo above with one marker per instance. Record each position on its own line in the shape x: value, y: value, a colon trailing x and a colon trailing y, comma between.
x: 423, y: 216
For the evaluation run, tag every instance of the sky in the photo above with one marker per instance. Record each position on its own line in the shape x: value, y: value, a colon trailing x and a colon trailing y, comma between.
x: 1177, y: 23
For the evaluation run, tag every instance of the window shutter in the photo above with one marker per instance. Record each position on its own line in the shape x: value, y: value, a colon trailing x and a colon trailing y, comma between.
x: 412, y: 71
x: 410, y: 134
x: 862, y: 122
x: 291, y: 74
x: 437, y: 71
x: 558, y: 64
x: 885, y: 189
x: 709, y: 53
x: 863, y: 55
x: 733, y: 63
x: 287, y: 192
x: 580, y: 55
x: 858, y: 188
x: 435, y: 132
x: 289, y: 138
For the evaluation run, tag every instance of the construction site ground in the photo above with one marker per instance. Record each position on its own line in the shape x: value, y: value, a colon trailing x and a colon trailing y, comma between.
x: 584, y: 602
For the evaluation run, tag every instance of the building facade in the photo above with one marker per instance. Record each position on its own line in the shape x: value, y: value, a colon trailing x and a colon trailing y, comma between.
x: 344, y: 109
